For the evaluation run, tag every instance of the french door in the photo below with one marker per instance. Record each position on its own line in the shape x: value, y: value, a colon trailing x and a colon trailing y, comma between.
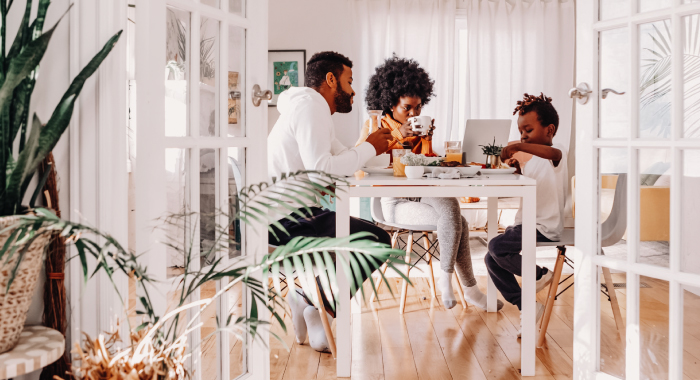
x: 200, y: 139
x: 637, y: 188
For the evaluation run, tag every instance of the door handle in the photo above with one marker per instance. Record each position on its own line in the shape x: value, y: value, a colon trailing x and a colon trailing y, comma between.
x: 259, y: 95
x: 580, y: 92
x: 605, y: 92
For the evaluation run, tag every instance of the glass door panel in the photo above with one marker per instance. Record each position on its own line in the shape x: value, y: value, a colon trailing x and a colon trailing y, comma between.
x: 236, y: 81
x: 612, y: 198
x: 613, y: 9
x: 612, y: 311
x: 655, y: 80
x: 208, y: 77
x: 690, y: 213
x: 614, y: 68
x: 177, y: 70
x: 691, y: 76
x: 654, y: 206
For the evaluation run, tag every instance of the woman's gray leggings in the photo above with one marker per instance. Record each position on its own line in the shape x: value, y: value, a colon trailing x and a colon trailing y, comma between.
x: 452, y: 228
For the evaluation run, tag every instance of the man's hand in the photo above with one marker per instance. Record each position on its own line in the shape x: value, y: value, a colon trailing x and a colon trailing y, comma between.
x: 508, y: 151
x: 513, y: 163
x: 380, y: 140
x: 331, y: 190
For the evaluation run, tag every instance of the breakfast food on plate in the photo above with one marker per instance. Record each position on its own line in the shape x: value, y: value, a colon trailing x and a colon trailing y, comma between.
x: 469, y: 199
x: 451, y: 164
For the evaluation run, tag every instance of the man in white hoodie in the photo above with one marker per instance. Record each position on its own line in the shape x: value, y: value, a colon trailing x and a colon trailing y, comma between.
x: 304, y: 139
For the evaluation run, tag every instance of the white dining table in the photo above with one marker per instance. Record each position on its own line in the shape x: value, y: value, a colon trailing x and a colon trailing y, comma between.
x: 490, y: 186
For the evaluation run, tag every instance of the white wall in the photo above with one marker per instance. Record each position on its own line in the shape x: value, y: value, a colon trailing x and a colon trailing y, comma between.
x: 316, y: 25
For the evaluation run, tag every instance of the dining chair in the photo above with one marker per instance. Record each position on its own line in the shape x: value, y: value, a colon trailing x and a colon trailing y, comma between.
x: 612, y: 230
x: 430, y: 248
x: 324, y: 319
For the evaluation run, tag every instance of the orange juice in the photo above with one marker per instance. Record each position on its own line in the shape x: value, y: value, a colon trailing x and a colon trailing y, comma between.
x: 454, y: 157
x: 399, y: 169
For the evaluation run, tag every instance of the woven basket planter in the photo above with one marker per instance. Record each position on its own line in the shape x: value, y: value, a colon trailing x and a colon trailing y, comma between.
x: 15, y: 303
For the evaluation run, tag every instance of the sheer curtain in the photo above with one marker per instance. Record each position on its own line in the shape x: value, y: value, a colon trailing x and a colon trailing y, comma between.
x: 423, y: 30
x: 518, y: 46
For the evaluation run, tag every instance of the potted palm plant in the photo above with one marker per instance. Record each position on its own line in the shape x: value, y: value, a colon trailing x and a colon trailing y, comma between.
x: 23, y: 147
x: 158, y: 347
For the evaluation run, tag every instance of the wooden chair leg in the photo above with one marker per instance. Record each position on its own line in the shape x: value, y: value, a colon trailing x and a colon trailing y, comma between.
x: 379, y: 284
x: 619, y: 322
x: 553, y: 287
x: 394, y: 239
x: 460, y: 292
x: 325, y: 322
x: 404, y: 283
x: 426, y: 241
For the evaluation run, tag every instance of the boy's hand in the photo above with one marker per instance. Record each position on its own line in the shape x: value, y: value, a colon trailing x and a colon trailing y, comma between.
x: 513, y: 163
x: 508, y: 151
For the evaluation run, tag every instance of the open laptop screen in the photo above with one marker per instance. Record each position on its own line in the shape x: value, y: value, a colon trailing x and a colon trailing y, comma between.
x: 482, y: 132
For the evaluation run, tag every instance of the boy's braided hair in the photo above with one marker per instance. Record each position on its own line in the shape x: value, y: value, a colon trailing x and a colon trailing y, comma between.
x: 542, y: 105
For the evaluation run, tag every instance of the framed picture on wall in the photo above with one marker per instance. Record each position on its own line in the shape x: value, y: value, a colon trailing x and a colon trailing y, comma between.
x: 286, y: 68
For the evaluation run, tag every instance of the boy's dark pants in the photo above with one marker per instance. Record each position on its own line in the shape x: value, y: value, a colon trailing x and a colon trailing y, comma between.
x: 504, y: 262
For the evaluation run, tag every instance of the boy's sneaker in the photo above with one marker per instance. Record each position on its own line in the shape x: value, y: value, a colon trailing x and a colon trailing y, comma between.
x: 545, y: 280
x: 540, y: 311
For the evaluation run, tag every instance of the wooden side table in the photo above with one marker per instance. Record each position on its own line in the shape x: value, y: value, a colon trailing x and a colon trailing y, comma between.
x: 38, y: 347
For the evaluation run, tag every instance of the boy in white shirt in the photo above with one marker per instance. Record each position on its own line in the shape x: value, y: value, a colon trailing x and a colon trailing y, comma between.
x: 537, y: 123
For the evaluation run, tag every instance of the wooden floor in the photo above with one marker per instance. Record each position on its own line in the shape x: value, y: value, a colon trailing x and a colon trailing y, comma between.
x: 431, y: 342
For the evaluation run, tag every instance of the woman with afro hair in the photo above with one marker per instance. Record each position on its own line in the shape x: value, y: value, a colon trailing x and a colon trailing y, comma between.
x: 400, y: 88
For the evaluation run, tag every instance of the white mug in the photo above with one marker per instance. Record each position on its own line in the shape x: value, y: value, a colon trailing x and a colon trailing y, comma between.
x: 421, y: 124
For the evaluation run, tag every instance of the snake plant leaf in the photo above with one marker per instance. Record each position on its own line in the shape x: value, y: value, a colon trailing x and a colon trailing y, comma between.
x: 22, y: 37
x: 10, y: 202
x: 23, y: 64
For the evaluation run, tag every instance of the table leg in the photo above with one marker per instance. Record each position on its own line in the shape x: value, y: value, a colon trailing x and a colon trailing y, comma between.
x: 492, y: 221
x: 528, y: 282
x: 343, y: 314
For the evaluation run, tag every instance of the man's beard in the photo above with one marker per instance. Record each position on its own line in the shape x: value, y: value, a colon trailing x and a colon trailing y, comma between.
x: 343, y: 101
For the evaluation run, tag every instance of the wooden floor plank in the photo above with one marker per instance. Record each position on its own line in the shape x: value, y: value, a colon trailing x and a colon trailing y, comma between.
x: 427, y: 353
x: 456, y: 349
x: 303, y: 363
x: 367, y: 360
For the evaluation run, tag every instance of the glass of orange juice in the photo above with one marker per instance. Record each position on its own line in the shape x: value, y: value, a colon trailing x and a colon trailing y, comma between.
x: 399, y: 167
x: 453, y: 151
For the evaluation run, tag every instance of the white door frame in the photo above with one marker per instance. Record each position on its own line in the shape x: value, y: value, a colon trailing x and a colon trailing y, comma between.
x: 151, y: 142
x: 98, y: 181
x: 587, y: 298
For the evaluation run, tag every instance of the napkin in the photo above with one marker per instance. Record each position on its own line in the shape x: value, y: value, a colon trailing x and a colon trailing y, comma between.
x: 446, y: 173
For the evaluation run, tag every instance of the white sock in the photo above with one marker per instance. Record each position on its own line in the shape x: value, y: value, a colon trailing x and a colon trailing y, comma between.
x: 317, y: 335
x: 473, y: 295
x: 445, y: 286
x: 298, y: 304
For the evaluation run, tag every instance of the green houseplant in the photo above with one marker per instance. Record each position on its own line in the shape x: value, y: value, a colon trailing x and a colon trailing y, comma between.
x: 493, y: 154
x: 158, y: 346
x: 19, y: 69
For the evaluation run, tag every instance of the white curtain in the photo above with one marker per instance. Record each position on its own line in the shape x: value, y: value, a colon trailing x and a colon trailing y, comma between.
x: 519, y: 46
x: 423, y: 30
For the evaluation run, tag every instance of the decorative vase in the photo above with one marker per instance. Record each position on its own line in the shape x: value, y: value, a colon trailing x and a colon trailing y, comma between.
x: 414, y: 172
x: 15, y: 303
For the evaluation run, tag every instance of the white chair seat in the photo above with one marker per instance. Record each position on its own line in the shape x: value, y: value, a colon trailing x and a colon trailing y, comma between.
x: 567, y: 238
x: 410, y: 227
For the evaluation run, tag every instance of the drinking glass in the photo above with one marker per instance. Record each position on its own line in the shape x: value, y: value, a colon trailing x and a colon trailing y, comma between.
x: 453, y: 151
x: 375, y: 117
x: 399, y: 167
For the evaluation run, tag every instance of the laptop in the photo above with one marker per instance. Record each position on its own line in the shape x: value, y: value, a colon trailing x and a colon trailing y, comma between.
x: 482, y: 132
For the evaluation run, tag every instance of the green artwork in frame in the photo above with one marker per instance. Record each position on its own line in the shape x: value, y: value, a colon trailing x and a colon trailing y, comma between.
x: 285, y: 75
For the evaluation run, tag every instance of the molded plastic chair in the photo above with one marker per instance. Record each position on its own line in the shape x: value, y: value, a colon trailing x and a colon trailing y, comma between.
x: 431, y: 247
x: 612, y: 230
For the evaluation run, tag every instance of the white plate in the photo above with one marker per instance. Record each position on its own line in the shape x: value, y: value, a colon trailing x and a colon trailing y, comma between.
x: 498, y: 171
x: 381, y: 171
x: 464, y: 171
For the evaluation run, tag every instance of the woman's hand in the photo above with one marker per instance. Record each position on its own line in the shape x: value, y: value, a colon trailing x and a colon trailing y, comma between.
x: 406, y: 130
x: 429, y: 135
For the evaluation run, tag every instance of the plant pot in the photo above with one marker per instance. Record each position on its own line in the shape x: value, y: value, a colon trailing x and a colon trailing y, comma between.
x: 414, y: 172
x: 15, y: 303
x: 493, y: 162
